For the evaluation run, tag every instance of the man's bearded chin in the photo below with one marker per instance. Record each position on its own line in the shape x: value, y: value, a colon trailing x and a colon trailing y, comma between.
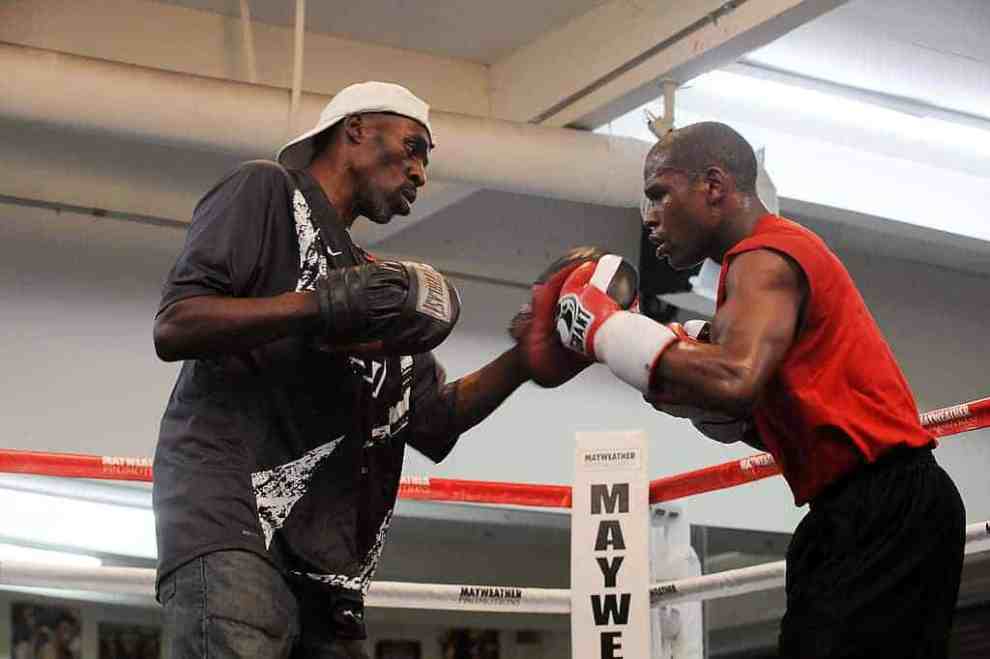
x: 376, y: 208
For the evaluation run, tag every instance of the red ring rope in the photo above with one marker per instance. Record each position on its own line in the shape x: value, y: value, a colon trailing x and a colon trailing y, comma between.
x: 941, y: 423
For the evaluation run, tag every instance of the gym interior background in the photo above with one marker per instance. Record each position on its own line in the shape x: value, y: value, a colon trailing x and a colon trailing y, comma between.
x: 873, y: 116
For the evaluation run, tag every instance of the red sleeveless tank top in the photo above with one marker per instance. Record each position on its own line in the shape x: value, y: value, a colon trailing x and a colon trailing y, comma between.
x: 838, y: 399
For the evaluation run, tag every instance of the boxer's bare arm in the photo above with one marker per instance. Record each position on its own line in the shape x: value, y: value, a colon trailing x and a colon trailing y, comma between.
x: 751, y: 334
x: 211, y: 325
x: 478, y: 394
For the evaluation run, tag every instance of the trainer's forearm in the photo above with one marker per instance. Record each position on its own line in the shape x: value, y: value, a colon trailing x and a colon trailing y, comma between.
x: 208, y: 326
x: 479, y: 394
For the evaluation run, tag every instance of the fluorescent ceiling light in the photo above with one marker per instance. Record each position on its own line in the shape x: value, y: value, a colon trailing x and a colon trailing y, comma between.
x: 960, y: 136
x: 10, y: 552
x: 809, y: 103
x: 822, y: 108
x: 843, y: 152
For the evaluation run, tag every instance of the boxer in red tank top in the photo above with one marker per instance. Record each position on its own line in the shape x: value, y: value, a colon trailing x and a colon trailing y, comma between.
x: 796, y: 365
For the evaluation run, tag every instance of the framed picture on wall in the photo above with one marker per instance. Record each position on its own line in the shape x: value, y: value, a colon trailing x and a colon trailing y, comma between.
x: 470, y: 644
x: 119, y: 641
x: 38, y: 631
x: 398, y: 650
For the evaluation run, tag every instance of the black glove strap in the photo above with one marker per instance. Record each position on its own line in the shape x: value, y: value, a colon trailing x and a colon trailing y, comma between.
x: 326, y: 309
x: 342, y: 302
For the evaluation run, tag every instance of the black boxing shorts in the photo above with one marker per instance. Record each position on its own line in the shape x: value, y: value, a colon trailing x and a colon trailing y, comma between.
x: 873, y: 569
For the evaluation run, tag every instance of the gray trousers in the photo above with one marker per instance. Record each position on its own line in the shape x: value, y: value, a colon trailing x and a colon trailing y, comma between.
x: 235, y: 604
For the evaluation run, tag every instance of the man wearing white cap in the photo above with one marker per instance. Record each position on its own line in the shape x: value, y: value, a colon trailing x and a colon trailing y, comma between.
x: 307, y: 369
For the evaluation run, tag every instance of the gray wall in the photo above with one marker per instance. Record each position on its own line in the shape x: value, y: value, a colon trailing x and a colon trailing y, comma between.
x: 78, y: 294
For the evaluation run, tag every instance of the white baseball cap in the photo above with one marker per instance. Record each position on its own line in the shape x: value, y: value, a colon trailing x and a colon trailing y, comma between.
x: 356, y: 99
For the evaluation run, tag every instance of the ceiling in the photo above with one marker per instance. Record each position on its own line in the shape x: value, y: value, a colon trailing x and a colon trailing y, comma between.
x: 932, y: 51
x: 936, y: 52
x: 933, y: 54
x: 929, y: 51
x: 470, y: 29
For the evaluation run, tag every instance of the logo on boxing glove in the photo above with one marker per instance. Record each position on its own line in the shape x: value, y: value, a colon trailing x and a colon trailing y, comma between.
x: 432, y: 293
x: 573, y: 321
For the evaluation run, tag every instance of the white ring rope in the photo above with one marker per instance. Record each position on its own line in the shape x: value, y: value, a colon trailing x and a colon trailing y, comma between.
x: 117, y: 580
x: 443, y: 597
x: 764, y: 577
x: 504, y: 599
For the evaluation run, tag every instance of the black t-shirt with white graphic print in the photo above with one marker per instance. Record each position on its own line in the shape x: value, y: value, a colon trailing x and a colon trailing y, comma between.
x: 286, y: 450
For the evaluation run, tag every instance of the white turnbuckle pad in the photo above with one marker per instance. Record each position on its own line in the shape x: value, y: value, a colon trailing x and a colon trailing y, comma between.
x: 610, y: 547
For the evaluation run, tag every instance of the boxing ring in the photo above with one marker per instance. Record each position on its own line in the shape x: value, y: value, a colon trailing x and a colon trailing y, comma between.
x: 663, y: 594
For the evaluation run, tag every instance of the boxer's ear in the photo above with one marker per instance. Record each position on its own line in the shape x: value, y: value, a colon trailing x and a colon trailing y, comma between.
x: 717, y: 185
x: 355, y: 128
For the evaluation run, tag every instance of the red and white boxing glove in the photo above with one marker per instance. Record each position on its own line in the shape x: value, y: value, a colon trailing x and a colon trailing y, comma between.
x: 547, y: 362
x: 592, y: 320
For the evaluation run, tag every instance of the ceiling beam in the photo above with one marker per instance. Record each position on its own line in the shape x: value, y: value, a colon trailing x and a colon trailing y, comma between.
x: 223, y: 47
x: 212, y: 45
x: 611, y: 59
x: 208, y: 115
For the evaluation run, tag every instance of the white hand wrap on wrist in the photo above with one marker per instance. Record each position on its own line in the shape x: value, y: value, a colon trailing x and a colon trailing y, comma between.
x: 630, y: 345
